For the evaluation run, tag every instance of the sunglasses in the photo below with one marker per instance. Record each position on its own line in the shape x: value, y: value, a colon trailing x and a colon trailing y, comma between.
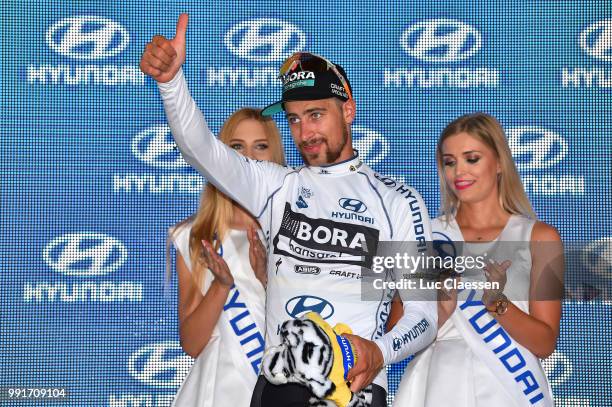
x: 316, y: 63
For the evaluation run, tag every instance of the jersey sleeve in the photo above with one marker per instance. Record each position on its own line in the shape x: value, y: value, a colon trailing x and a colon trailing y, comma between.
x: 246, y: 181
x: 418, y: 326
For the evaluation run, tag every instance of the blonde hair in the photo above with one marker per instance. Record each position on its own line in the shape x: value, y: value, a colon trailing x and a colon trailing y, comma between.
x: 211, y: 221
x: 486, y: 128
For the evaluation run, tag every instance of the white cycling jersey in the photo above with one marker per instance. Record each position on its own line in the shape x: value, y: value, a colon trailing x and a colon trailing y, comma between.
x: 319, y: 222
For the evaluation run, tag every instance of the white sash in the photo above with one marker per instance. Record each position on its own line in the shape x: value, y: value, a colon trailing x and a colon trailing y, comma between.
x: 237, y: 327
x: 516, y: 368
x: 238, y: 323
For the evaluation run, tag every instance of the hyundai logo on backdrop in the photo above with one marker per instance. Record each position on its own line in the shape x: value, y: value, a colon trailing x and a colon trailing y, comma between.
x: 258, y: 41
x: 441, y: 40
x: 536, y: 150
x: 162, y: 366
x: 86, y: 43
x: 82, y: 258
x: 373, y: 147
x: 85, y: 254
x: 596, y: 41
x: 155, y: 148
x: 264, y: 40
x: 87, y: 37
x: 437, y: 46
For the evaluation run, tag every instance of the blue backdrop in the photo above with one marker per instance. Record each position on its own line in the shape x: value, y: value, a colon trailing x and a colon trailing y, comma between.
x: 91, y: 182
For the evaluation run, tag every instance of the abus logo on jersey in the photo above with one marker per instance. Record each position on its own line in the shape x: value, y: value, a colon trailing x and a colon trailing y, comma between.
x: 86, y: 38
x: 300, y: 305
x: 303, y: 269
x: 84, y: 255
x: 155, y: 148
x: 441, y: 41
x: 262, y: 40
x: 596, y: 41
x: 536, y: 149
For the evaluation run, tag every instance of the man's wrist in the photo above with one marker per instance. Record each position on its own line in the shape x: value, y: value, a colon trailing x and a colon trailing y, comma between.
x: 380, y: 345
x: 165, y: 86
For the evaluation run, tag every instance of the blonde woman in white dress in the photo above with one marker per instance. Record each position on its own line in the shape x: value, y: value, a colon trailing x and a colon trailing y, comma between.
x: 490, y: 342
x: 221, y: 267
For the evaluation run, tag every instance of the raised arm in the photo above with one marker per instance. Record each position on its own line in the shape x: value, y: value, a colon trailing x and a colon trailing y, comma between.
x: 248, y: 182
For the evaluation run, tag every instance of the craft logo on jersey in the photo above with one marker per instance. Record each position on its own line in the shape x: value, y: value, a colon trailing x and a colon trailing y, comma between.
x: 373, y: 147
x: 84, y: 255
x: 441, y: 41
x: 596, y: 41
x: 258, y: 41
x: 89, y: 40
x: 324, y: 240
x: 155, y: 148
x: 300, y: 305
x: 536, y: 150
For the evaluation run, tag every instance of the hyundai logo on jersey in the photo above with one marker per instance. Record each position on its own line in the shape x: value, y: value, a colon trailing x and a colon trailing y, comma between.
x: 300, y: 305
x: 354, y: 205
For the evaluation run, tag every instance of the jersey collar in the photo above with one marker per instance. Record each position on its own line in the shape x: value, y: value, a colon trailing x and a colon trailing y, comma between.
x: 343, y: 167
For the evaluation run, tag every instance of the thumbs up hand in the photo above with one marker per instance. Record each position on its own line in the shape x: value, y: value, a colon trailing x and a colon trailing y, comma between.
x: 163, y: 57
